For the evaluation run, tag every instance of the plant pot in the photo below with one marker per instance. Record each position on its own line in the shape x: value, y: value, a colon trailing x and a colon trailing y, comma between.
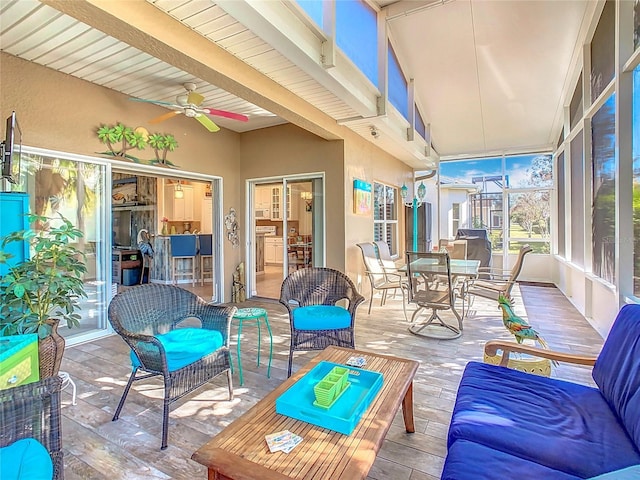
x: 50, y: 351
x: 528, y: 364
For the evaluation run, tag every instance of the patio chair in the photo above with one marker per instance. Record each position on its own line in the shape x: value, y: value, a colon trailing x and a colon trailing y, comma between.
x: 382, y: 279
x: 384, y: 255
x: 30, y: 421
x: 149, y: 319
x: 310, y: 296
x: 437, y: 293
x: 494, y: 283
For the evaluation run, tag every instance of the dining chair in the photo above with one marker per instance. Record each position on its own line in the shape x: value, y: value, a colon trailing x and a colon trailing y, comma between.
x: 437, y: 292
x: 381, y: 279
x: 149, y: 318
x: 311, y: 295
x: 205, y: 252
x: 493, y: 282
x: 183, y: 257
x: 384, y: 255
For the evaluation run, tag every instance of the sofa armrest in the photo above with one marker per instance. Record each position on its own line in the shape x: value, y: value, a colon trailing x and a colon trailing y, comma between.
x: 491, y: 349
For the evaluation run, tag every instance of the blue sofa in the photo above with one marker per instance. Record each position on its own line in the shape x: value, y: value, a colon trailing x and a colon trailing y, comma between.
x: 510, y: 424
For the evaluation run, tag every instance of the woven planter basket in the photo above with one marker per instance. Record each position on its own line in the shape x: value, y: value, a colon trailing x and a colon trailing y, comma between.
x: 50, y: 351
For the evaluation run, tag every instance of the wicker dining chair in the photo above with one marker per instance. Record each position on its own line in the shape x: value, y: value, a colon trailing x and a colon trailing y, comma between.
x: 310, y: 296
x: 149, y: 317
x: 32, y: 411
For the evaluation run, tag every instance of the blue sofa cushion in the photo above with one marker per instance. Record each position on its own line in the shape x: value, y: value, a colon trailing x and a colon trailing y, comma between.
x: 184, y: 346
x: 471, y: 461
x: 321, y: 317
x: 617, y: 370
x: 565, y: 426
x: 25, y: 459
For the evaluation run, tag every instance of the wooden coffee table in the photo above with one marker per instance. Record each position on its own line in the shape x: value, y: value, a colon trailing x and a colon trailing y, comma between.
x: 240, y: 452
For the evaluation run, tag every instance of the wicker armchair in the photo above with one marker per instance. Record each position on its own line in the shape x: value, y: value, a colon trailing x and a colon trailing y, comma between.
x: 33, y: 411
x: 324, y: 287
x: 143, y: 314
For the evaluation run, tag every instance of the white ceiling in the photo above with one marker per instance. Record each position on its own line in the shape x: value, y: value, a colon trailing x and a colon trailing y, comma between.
x: 489, y: 75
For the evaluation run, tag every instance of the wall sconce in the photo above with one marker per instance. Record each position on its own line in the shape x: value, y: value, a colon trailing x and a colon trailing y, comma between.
x: 178, y: 192
x: 308, y: 198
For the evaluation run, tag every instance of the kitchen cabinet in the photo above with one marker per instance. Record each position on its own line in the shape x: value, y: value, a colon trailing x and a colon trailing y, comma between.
x: 276, y: 204
x: 263, y: 198
x: 206, y: 223
x: 273, y: 250
x: 178, y: 209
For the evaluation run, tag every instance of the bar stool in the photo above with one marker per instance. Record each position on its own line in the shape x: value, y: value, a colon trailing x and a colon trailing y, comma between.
x: 183, y: 247
x: 253, y: 317
x: 205, y: 250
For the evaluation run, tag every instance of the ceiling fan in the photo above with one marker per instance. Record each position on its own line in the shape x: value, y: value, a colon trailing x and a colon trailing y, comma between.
x: 189, y: 105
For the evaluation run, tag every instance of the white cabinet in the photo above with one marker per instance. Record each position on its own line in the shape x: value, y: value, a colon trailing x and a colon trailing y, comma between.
x: 206, y: 224
x: 177, y: 209
x: 273, y: 250
x: 263, y: 198
x: 276, y: 203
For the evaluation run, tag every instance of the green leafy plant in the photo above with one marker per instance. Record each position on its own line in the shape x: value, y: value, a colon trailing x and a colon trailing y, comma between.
x: 162, y: 144
x: 48, y: 285
x: 120, y: 138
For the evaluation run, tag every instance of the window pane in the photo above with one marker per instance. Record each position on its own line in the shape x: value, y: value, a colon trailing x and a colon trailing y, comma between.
x: 486, y: 212
x: 385, y: 223
x: 576, y: 107
x: 636, y: 169
x: 391, y: 210
x: 378, y: 201
x: 357, y: 36
x: 561, y: 205
x: 636, y: 24
x: 398, y: 92
x: 577, y: 200
x: 420, y: 126
x: 529, y: 215
x: 486, y: 172
x: 313, y: 8
x: 602, y: 51
x: 524, y: 171
x: 604, y: 192
x: 516, y: 245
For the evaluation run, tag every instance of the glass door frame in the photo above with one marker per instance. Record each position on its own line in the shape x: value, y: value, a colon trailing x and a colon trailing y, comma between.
x: 319, y: 238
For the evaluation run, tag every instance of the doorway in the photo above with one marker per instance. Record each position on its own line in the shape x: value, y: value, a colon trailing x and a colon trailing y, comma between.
x: 287, y: 230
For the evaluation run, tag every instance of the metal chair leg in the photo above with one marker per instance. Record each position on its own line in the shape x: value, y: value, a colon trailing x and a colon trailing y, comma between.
x: 124, y: 395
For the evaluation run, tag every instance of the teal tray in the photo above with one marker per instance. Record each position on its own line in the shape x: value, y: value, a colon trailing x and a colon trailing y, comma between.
x: 346, y: 412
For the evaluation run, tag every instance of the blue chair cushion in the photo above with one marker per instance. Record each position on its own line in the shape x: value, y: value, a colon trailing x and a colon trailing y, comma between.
x: 184, y: 346
x: 617, y: 370
x: 472, y: 461
x: 25, y: 459
x: 321, y: 317
x: 562, y: 425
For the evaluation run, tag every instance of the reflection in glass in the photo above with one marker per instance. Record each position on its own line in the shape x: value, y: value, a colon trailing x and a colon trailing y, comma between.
x: 577, y: 199
x: 75, y: 190
x: 635, y: 128
x: 561, y: 205
x: 604, y: 192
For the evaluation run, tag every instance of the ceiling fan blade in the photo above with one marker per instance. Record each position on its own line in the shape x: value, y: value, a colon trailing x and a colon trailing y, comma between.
x: 224, y: 113
x: 194, y: 98
x: 155, y: 102
x: 163, y: 117
x: 207, y: 122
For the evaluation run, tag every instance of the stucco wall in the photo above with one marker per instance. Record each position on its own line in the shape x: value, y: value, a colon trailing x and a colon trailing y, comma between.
x: 60, y: 112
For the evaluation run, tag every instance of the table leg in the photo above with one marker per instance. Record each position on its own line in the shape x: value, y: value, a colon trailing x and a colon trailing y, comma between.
x: 266, y: 321
x: 259, y: 339
x: 238, y: 350
x: 407, y: 410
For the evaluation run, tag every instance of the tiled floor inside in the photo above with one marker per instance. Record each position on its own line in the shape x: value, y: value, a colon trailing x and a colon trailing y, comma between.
x: 97, y: 448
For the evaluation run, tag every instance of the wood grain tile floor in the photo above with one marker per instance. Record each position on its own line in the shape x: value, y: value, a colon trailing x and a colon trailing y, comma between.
x: 97, y: 448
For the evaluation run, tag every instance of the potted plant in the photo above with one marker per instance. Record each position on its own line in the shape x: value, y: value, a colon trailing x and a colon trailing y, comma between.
x: 36, y: 294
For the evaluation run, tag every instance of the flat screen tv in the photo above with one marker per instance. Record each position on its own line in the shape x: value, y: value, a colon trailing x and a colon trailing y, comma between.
x: 11, y: 150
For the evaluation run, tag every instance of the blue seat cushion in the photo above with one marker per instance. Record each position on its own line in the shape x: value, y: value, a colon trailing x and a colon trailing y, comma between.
x: 471, y: 461
x: 25, y: 459
x: 562, y: 425
x: 184, y: 346
x: 321, y: 317
x: 630, y: 473
x: 617, y: 370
